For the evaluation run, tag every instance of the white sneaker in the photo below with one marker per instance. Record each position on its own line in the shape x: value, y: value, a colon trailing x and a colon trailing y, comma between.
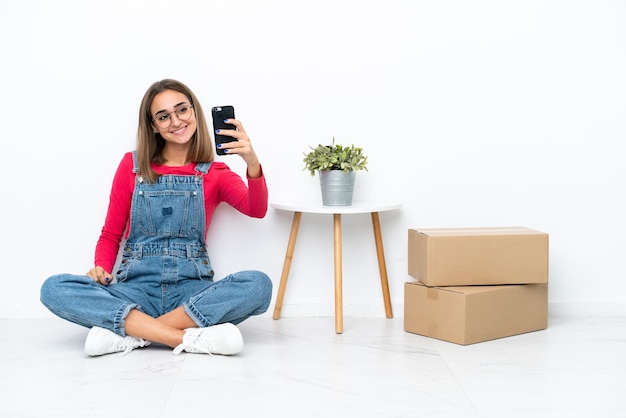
x: 222, y: 339
x: 102, y: 341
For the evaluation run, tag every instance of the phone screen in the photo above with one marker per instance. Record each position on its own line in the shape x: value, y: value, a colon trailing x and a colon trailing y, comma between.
x: 220, y: 114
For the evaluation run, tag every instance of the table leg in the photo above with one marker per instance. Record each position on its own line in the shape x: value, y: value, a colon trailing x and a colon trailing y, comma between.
x: 287, y: 264
x: 382, y: 266
x: 338, y: 268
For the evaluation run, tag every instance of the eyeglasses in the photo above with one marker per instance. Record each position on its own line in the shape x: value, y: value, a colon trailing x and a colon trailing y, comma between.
x: 164, y: 120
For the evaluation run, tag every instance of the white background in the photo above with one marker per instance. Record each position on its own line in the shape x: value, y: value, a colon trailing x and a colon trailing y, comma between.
x: 472, y: 113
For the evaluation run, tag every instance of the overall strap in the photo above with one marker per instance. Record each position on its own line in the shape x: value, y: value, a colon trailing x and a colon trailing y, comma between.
x: 135, y: 162
x: 203, y: 167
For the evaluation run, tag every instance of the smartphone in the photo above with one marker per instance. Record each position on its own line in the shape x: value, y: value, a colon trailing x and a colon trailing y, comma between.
x: 220, y: 114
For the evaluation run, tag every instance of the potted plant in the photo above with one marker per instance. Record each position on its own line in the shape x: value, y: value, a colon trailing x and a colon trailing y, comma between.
x: 337, y: 166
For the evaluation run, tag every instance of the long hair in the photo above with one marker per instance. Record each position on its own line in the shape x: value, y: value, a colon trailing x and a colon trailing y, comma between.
x: 150, y: 144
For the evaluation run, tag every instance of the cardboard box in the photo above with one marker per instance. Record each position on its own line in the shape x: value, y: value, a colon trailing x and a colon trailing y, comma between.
x: 471, y: 314
x: 478, y: 256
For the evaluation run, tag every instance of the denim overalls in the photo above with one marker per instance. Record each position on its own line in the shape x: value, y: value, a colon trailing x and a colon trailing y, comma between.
x: 164, y: 265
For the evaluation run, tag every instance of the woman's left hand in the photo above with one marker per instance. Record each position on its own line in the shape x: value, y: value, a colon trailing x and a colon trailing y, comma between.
x: 242, y: 147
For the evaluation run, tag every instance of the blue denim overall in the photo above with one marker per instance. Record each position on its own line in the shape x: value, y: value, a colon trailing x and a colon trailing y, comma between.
x: 164, y: 265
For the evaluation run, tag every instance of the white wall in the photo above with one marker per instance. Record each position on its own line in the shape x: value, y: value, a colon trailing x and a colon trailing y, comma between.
x: 481, y: 113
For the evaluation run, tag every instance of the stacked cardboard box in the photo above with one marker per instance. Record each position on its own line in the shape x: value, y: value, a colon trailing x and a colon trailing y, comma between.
x: 476, y: 284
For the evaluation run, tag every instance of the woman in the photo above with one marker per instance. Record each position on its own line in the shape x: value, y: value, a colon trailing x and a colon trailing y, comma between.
x: 162, y: 200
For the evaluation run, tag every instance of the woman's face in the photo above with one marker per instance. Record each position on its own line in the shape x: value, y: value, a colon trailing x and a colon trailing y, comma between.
x: 173, y: 117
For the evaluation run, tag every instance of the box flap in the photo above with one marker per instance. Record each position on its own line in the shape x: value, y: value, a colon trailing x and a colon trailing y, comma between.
x: 508, y: 230
x: 463, y: 290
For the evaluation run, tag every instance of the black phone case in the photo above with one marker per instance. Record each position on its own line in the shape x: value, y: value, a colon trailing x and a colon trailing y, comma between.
x: 219, y: 114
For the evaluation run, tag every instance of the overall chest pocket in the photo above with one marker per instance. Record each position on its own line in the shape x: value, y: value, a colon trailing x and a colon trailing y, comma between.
x: 168, y: 213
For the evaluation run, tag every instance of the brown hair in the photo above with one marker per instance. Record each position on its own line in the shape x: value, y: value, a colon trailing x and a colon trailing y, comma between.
x: 150, y: 144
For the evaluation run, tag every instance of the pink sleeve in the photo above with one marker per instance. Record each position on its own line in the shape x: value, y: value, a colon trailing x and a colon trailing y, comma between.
x: 258, y: 196
x: 224, y: 185
x: 117, y: 215
x: 251, y: 200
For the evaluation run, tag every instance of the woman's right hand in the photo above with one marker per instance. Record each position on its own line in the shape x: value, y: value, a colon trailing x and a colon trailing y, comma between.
x: 99, y: 275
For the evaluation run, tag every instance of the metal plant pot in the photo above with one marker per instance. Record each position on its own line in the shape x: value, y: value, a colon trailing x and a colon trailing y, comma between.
x: 337, y: 187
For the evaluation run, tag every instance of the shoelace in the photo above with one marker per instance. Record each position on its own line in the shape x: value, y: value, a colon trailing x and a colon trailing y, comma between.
x: 180, y: 347
x: 190, y: 339
x: 129, y: 343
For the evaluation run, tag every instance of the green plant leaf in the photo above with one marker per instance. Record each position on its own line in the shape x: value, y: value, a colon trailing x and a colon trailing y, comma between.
x: 334, y: 157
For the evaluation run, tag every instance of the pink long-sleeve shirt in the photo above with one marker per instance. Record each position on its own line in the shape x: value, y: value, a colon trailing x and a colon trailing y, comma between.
x: 220, y: 185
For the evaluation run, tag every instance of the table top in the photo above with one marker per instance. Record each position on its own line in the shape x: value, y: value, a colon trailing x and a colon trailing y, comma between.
x: 317, y: 207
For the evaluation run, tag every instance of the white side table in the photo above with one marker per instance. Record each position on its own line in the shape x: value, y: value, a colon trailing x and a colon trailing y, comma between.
x: 298, y: 208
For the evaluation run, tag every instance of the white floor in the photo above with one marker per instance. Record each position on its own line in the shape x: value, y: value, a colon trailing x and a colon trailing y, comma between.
x: 299, y: 367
